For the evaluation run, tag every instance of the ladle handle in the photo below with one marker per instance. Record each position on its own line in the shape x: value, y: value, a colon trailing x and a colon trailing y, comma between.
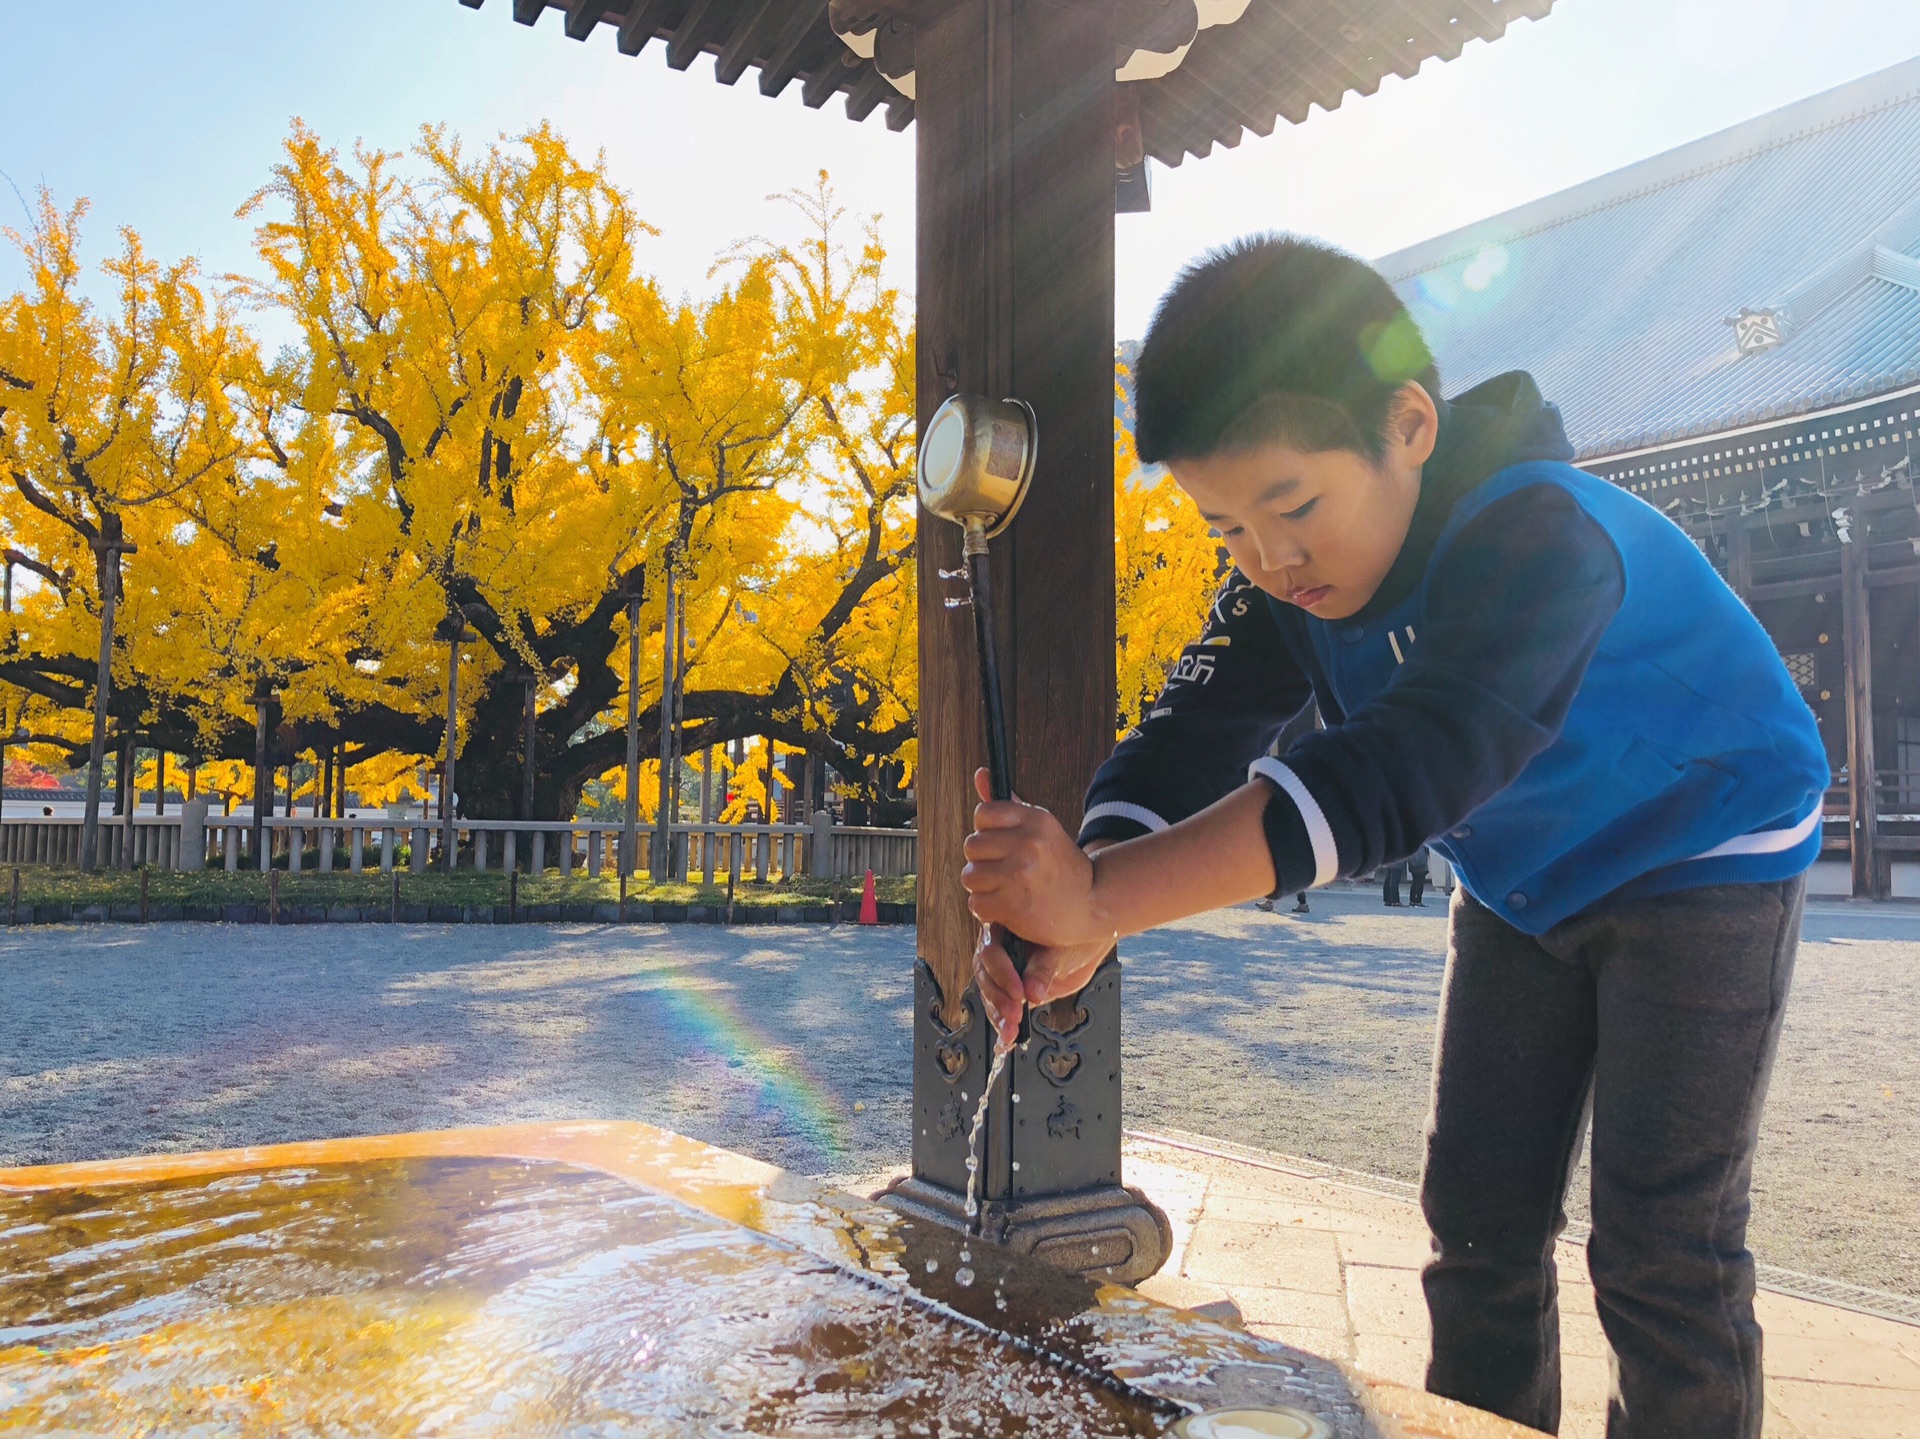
x: 999, y: 761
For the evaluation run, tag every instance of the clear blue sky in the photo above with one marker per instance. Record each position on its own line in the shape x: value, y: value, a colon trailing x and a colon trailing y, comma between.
x: 167, y: 116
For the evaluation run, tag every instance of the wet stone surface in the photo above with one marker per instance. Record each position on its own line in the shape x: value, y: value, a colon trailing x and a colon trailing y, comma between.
x: 460, y: 1295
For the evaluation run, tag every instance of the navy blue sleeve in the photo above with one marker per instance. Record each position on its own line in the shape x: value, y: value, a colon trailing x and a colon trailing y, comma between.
x: 1515, y: 609
x: 1224, y: 705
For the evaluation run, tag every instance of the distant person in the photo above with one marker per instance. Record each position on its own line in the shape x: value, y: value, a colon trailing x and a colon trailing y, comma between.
x: 1391, y: 877
x: 1544, y: 673
x: 1419, y: 868
x: 1266, y: 903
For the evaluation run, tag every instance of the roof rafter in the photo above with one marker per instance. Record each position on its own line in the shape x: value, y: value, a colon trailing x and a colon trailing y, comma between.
x: 1277, y: 61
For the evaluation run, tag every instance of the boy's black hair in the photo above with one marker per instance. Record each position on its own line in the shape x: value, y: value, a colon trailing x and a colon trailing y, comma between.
x: 1274, y: 337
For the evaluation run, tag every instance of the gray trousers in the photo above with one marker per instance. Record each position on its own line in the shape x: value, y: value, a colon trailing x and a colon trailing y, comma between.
x: 1657, y: 1018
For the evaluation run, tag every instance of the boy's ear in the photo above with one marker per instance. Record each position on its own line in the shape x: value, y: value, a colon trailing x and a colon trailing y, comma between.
x: 1414, y: 427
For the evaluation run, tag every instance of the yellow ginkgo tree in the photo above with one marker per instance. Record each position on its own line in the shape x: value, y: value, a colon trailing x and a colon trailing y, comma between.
x: 495, y: 411
x: 491, y: 421
x: 109, y: 421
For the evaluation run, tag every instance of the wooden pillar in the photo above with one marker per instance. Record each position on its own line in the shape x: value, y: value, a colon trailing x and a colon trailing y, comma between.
x: 1740, y: 561
x: 1857, y: 651
x: 128, y: 802
x: 262, y: 772
x: 1014, y: 117
x: 1014, y: 122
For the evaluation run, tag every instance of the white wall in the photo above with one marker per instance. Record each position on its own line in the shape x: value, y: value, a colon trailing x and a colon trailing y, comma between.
x: 1833, y: 879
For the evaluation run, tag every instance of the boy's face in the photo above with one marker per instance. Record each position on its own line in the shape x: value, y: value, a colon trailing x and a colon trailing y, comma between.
x: 1319, y: 529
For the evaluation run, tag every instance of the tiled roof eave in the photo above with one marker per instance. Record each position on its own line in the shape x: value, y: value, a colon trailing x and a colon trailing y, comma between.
x: 1785, y: 412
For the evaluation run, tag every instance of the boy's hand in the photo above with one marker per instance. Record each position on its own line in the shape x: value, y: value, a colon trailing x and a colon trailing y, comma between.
x: 1051, y: 974
x: 1025, y: 872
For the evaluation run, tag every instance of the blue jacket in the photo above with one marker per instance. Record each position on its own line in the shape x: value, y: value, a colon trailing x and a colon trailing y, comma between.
x: 1553, y: 686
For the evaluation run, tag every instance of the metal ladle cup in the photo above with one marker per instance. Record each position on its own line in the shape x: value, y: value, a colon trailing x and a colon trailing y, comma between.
x: 976, y: 462
x: 976, y: 465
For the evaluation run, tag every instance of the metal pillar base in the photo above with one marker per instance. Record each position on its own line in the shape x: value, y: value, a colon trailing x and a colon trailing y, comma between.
x: 1108, y: 1233
x: 1050, y: 1157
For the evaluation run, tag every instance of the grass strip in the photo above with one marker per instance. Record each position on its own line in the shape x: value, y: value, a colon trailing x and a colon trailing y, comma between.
x: 39, y: 885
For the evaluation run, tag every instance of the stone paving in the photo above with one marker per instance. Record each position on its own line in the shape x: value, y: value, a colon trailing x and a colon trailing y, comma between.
x: 1330, y: 1266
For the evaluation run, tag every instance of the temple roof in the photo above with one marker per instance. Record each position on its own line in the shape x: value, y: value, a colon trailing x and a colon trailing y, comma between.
x: 1272, y: 63
x: 1764, y: 272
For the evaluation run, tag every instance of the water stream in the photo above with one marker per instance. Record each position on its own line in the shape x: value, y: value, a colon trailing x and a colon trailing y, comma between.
x: 1000, y: 1058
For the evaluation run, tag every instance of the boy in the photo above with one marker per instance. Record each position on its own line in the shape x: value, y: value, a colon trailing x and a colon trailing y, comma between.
x: 1543, y: 677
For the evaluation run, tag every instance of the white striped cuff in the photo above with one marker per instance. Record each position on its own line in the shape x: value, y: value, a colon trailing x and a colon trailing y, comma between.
x: 1120, y: 809
x: 1767, y: 841
x: 1326, y: 854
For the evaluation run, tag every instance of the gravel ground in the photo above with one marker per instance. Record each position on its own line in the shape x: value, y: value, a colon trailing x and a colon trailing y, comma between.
x: 792, y: 1044
x: 115, y: 1040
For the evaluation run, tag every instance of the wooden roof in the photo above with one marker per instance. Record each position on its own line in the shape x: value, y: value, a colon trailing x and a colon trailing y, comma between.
x: 1274, y: 62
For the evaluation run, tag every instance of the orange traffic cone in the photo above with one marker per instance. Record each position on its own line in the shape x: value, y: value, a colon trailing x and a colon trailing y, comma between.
x: 869, y: 904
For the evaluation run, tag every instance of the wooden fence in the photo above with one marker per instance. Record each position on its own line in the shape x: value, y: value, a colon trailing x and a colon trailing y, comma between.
x: 195, y: 840
x: 152, y: 840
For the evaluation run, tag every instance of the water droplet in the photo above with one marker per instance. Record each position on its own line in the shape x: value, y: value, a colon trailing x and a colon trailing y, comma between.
x: 966, y: 1256
x: 933, y: 1266
x: 963, y: 1276
x: 1016, y: 1099
x: 1016, y: 1164
x: 999, y: 1301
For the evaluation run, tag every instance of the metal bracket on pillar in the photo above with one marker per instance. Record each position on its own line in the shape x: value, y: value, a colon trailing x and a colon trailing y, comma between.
x: 1132, y: 186
x: 1051, y: 1157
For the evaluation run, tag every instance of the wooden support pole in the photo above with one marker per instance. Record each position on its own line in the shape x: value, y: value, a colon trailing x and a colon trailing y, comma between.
x: 263, y: 698
x: 1740, y: 562
x: 630, y: 833
x: 676, y: 853
x: 661, y: 864
x: 1862, y: 791
x: 1014, y: 123
x: 449, y: 841
x: 529, y: 737
x: 126, y: 802
x: 1015, y: 114
x: 107, y: 548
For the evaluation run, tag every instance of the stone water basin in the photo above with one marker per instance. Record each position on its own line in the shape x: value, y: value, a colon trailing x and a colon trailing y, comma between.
x: 586, y: 1278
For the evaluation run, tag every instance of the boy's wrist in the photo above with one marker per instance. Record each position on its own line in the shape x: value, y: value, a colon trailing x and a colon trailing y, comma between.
x: 1106, y: 921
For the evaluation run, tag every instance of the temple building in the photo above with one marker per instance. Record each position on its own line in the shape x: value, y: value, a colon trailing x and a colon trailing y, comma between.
x: 1732, y: 333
